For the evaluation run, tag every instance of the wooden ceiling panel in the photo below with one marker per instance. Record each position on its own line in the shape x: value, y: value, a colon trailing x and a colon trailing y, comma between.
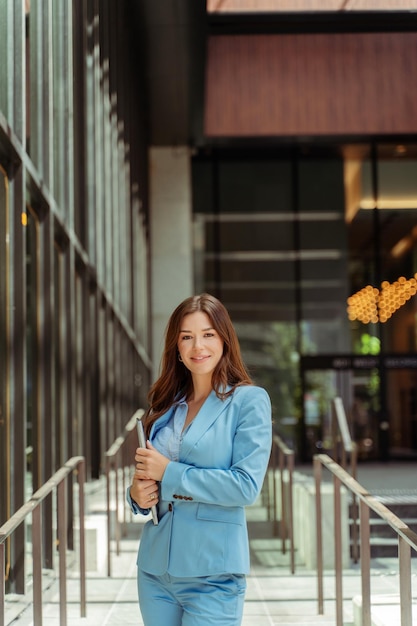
x: 317, y: 84
x: 305, y: 6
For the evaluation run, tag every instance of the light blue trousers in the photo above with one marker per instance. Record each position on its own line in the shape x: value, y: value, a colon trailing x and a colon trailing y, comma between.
x: 203, y: 601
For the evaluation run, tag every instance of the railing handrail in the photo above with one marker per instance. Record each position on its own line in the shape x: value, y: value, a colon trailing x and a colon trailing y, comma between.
x: 407, y: 540
x: 384, y: 512
x: 17, y: 518
x: 285, y: 461
x: 33, y: 506
x: 347, y: 440
x: 282, y: 445
x: 115, y: 460
x: 348, y: 444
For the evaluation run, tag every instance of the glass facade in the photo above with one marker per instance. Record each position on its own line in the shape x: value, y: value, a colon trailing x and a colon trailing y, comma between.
x: 74, y: 331
x: 287, y: 238
x: 4, y: 341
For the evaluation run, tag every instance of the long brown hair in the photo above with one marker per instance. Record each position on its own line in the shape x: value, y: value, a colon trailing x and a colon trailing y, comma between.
x: 175, y: 379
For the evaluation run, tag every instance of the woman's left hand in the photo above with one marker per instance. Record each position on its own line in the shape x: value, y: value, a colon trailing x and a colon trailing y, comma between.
x: 150, y: 463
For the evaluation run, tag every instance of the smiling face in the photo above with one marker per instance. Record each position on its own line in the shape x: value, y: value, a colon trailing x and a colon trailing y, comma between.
x: 199, y: 344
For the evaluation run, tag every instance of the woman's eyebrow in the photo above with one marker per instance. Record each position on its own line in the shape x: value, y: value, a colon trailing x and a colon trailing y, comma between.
x: 204, y: 330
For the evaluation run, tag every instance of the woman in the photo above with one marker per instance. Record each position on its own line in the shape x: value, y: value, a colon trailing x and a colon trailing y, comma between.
x: 209, y: 431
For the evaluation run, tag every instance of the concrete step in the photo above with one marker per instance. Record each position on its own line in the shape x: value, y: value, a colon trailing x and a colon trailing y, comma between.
x: 380, y: 528
x: 384, y: 547
x: 403, y: 503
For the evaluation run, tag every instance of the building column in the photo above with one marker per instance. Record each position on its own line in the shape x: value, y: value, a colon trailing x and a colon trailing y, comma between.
x: 170, y: 237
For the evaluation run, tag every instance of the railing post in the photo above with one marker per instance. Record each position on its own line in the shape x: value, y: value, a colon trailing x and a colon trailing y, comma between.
x: 365, y: 557
x: 355, y: 533
x: 108, y: 466
x: 319, y: 542
x: 116, y: 517
x: 291, y: 511
x: 338, y: 551
x: 270, y: 490
x: 124, y: 487
x: 404, y: 555
x: 81, y: 512
x: 283, y: 524
x: 274, y: 487
x: 62, y: 549
x: 2, y: 583
x: 37, y: 565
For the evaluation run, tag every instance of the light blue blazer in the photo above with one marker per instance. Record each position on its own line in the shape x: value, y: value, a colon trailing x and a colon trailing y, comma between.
x: 221, y: 468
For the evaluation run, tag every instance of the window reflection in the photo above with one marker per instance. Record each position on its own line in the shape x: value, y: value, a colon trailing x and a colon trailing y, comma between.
x: 381, y: 215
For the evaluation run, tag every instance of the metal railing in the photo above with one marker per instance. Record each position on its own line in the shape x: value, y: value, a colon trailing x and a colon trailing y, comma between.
x: 340, y: 432
x: 33, y: 506
x: 348, y: 458
x: 407, y: 541
x: 282, y: 458
x: 119, y: 456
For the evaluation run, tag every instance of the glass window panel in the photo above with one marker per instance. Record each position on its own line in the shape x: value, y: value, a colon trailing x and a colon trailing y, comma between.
x: 323, y: 251
x: 34, y: 440
x: 397, y: 223
x: 270, y: 352
x: 4, y: 44
x: 62, y: 374
x: 382, y: 217
x: 28, y: 74
x: 321, y: 185
x: 245, y: 253
x: 250, y: 235
x: 361, y: 223
x: 320, y: 387
x: 202, y: 182
x: 255, y: 186
x: 4, y: 410
x: 60, y: 106
x: 402, y: 404
x: 382, y: 221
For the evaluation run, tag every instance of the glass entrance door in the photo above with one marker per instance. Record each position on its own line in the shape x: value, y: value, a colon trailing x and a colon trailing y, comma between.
x: 320, y: 387
x: 360, y: 393
x: 380, y: 402
x: 402, y: 413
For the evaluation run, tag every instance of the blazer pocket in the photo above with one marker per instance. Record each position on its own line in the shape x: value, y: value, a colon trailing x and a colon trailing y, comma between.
x: 216, y: 513
x: 154, y: 546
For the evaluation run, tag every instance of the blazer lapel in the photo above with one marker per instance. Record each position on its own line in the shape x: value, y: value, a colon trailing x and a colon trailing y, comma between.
x: 208, y: 414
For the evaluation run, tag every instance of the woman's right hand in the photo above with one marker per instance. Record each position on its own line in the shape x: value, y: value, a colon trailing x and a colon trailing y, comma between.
x: 144, y: 492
